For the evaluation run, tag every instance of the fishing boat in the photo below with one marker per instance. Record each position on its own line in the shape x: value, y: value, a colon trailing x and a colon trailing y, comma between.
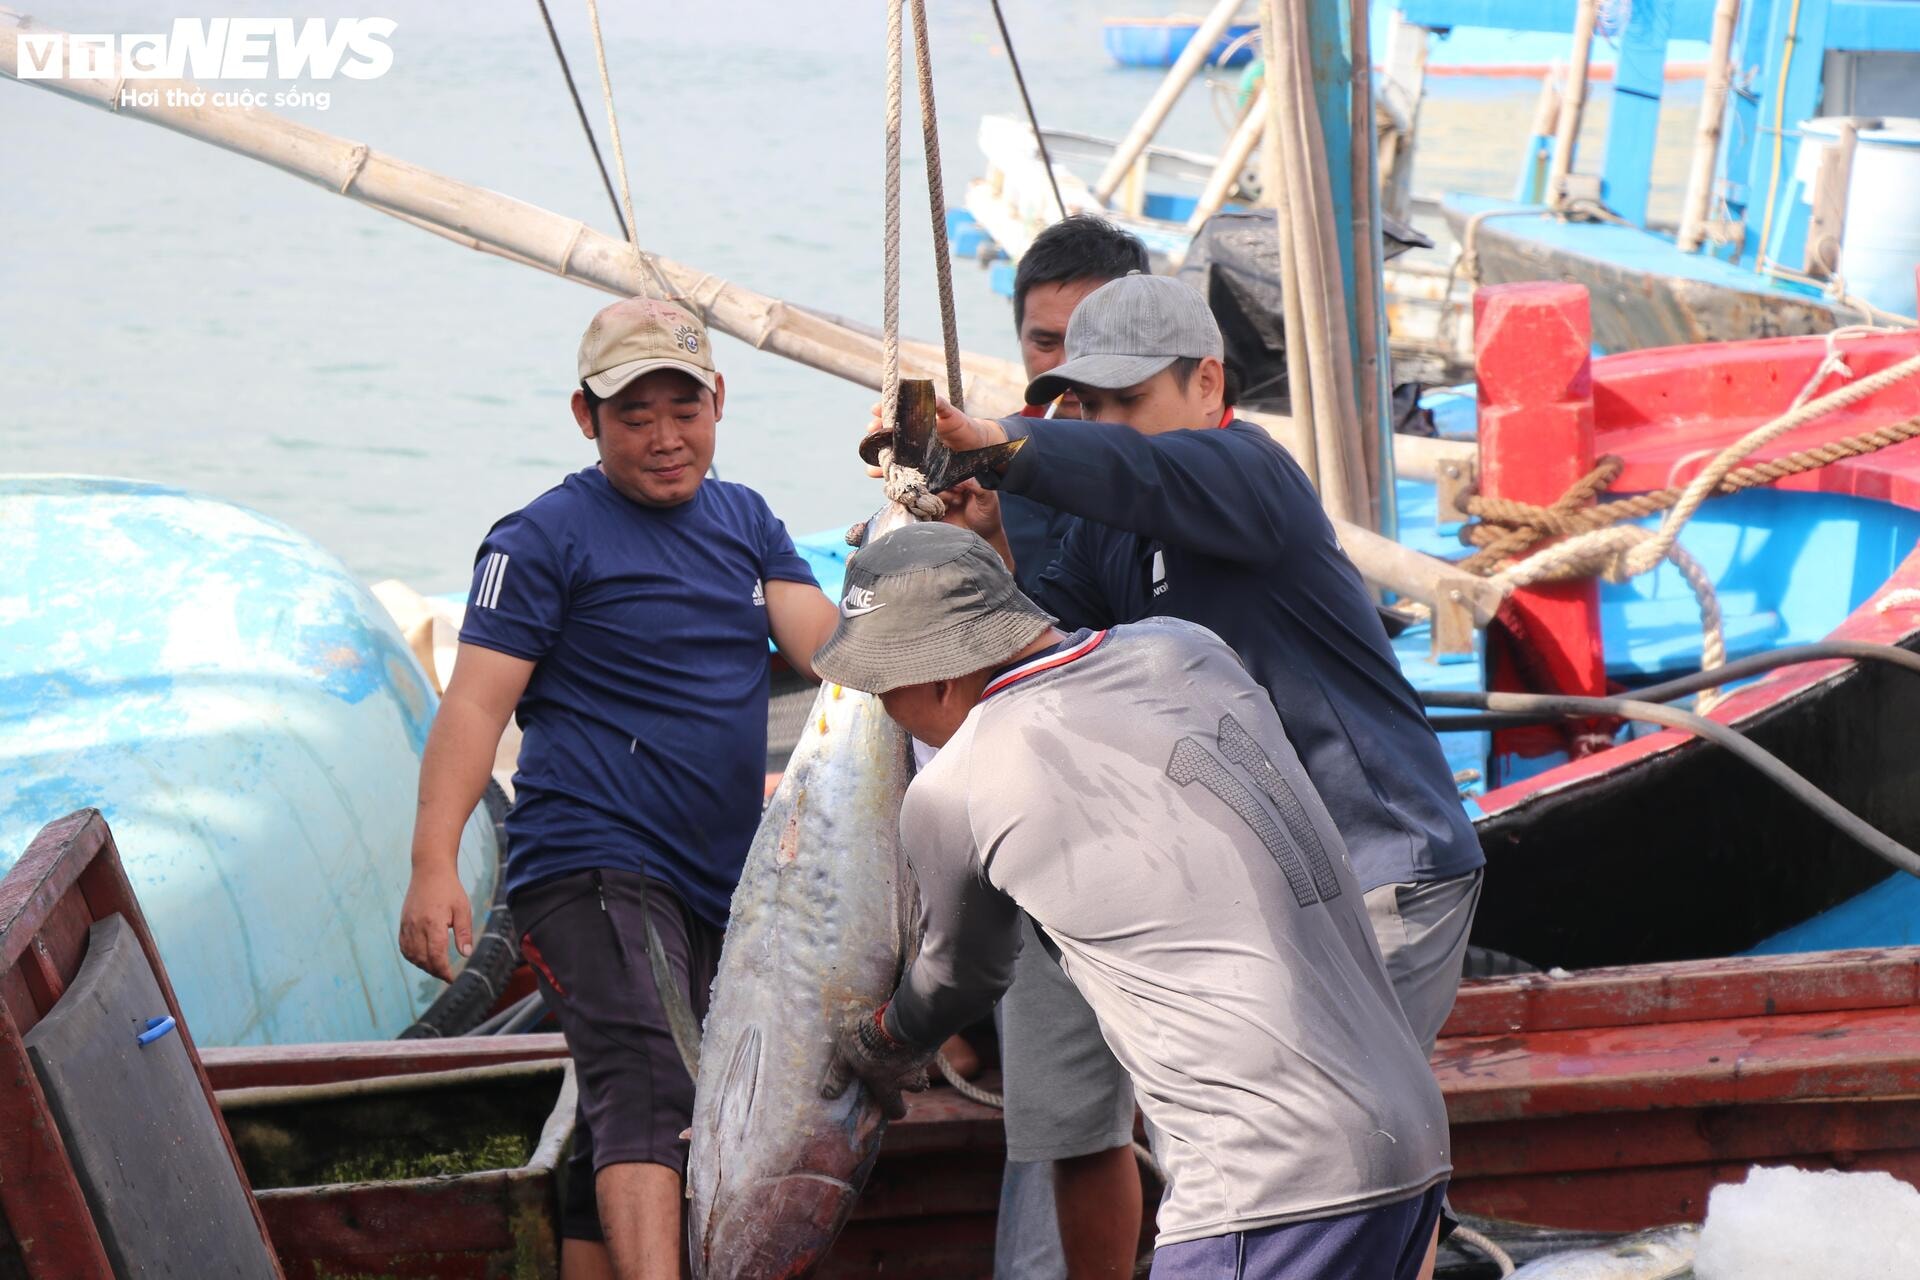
x: 1601, y: 1102
x: 1159, y: 42
x: 1828, y: 555
x: 1465, y: 49
x: 1797, y: 217
x: 250, y: 720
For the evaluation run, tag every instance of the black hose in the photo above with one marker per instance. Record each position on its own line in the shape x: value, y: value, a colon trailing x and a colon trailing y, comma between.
x: 525, y: 1015
x: 496, y: 952
x: 1556, y: 706
x: 579, y: 108
x: 1039, y: 138
x: 1681, y: 686
x: 509, y: 1019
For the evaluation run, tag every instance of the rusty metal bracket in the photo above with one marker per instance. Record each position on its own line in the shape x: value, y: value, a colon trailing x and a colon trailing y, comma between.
x: 1455, y: 480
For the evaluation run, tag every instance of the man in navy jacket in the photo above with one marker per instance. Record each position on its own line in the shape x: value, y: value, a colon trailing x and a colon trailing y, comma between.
x: 1187, y: 512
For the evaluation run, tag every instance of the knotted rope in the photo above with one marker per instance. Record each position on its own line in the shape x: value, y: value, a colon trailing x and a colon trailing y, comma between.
x: 1508, y: 528
x: 1599, y: 545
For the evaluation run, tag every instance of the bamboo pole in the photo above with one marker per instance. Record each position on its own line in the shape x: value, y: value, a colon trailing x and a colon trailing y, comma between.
x: 1573, y: 104
x: 1406, y: 86
x: 1320, y: 373
x: 1185, y: 67
x: 1706, y: 141
x: 1227, y: 170
x: 1372, y: 371
x: 498, y: 224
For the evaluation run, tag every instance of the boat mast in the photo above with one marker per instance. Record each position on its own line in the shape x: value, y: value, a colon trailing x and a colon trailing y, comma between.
x: 1320, y: 161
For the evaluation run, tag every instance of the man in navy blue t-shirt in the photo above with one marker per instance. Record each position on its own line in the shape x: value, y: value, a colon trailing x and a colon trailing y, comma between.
x: 624, y: 617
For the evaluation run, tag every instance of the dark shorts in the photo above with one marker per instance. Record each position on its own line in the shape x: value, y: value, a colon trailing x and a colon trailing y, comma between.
x: 1384, y: 1243
x: 585, y: 939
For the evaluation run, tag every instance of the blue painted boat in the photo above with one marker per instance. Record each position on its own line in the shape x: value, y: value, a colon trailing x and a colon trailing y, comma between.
x: 250, y: 722
x: 1824, y: 83
x: 1159, y: 42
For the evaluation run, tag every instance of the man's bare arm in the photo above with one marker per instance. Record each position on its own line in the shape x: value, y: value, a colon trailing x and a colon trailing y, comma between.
x: 801, y: 618
x: 454, y: 769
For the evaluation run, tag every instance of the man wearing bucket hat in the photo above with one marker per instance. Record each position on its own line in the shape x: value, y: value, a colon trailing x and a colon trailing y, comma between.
x: 1185, y: 511
x: 1132, y: 790
x: 624, y: 615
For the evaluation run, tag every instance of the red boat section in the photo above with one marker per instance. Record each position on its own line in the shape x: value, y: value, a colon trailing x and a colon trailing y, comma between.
x: 1615, y: 1099
x: 1665, y: 413
x: 1535, y: 411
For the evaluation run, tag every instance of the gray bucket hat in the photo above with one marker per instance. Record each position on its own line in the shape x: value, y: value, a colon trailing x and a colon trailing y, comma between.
x: 926, y: 602
x: 1126, y: 331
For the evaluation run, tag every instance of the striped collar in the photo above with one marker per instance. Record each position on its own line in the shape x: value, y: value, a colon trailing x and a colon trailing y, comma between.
x: 1058, y: 657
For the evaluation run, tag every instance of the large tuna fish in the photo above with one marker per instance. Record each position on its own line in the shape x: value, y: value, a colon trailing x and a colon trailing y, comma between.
x: 822, y: 923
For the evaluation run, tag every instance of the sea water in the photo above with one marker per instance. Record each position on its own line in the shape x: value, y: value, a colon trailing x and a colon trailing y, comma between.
x: 177, y: 313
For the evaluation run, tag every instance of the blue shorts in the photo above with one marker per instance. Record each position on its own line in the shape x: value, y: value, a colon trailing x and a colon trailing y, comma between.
x: 1384, y: 1243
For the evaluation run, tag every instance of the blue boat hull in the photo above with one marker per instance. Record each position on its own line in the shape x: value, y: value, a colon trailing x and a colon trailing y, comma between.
x: 1160, y: 43
x: 249, y: 721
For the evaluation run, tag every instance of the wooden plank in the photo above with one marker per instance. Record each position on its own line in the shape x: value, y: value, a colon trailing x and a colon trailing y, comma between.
x: 1854, y: 1053
x: 1689, y: 991
x: 1631, y: 1200
x: 155, y: 1165
x: 1826, y: 225
x: 16, y: 1000
x: 464, y: 1214
x: 43, y: 874
x: 254, y: 1066
x: 1841, y: 1130
x: 44, y: 1206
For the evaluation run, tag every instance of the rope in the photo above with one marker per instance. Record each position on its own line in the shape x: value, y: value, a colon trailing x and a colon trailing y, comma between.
x: 1618, y: 551
x: 937, y: 200
x: 967, y: 1088
x: 620, y: 157
x: 1483, y: 1245
x: 1040, y: 139
x: 890, y: 273
x: 580, y: 109
x: 907, y: 485
x: 1626, y: 558
x: 1825, y: 806
x: 1528, y: 523
x: 998, y: 1101
x: 1904, y: 598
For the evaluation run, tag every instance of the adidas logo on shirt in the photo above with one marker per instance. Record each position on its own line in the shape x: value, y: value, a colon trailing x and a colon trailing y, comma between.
x: 491, y: 576
x: 759, y: 592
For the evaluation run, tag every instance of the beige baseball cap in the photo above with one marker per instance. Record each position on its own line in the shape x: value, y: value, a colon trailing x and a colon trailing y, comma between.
x: 638, y: 335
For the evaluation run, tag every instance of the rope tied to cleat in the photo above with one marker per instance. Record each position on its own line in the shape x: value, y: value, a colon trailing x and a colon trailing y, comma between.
x: 1517, y: 539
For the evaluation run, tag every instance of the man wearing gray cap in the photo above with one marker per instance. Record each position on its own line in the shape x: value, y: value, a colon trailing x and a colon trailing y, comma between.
x: 1186, y: 512
x: 1132, y: 790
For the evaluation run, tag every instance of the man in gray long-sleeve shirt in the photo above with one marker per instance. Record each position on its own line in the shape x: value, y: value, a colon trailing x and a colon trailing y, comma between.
x: 1134, y: 792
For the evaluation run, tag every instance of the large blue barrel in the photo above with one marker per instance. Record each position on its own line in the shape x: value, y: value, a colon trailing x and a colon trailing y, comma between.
x: 250, y: 722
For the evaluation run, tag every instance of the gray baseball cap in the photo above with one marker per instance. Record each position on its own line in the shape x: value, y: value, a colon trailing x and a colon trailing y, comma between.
x: 1126, y: 331
x: 926, y: 602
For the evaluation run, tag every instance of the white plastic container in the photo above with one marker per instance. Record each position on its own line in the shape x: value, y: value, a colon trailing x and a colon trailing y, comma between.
x: 1880, y: 247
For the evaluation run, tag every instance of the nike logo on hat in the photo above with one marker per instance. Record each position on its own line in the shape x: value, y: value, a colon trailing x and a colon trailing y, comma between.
x: 859, y: 600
